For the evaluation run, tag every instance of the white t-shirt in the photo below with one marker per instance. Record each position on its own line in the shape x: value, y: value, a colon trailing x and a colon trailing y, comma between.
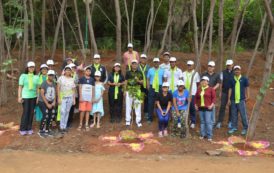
x: 66, y: 86
x: 196, y: 79
x: 165, y: 66
x: 178, y: 74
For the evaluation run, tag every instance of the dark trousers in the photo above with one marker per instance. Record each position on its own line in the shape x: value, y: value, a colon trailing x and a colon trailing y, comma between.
x: 115, y: 107
x: 28, y: 113
x: 145, y: 91
x: 151, y: 101
x: 192, y: 111
x: 224, y: 100
x: 48, y: 116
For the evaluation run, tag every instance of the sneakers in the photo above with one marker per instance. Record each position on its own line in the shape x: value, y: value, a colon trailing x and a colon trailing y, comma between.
x: 42, y: 134
x: 165, y: 133
x: 244, y: 132
x: 192, y: 126
x: 218, y: 125
x: 23, y: 133
x: 128, y: 123
x: 179, y: 125
x: 230, y: 125
x: 231, y: 131
x: 201, y: 137
x: 30, y: 132
x: 139, y: 124
x: 51, y: 133
x: 209, y: 140
x: 160, y: 134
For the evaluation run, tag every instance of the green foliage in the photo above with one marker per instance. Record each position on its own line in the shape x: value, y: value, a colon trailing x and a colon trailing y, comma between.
x: 106, y: 43
x: 5, y: 66
x: 10, y: 30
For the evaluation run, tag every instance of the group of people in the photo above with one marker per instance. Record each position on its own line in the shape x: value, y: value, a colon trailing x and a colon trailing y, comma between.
x: 161, y: 89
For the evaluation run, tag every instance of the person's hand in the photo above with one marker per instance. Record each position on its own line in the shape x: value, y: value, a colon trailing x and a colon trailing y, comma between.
x: 49, y: 106
x: 210, y: 107
x: 53, y: 104
x: 74, y: 102
x: 163, y: 113
x: 20, y: 100
x: 80, y: 99
x: 59, y: 101
x: 178, y: 113
x: 246, y: 99
x: 220, y: 95
x: 228, y: 102
x: 196, y: 107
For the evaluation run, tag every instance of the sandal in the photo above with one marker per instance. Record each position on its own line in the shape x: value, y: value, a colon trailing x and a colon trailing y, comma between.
x: 92, y: 125
x: 79, y: 127
x: 87, y: 128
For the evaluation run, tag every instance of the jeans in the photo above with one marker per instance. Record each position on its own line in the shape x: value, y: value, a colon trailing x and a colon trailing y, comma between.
x: 235, y: 108
x: 192, y: 111
x: 28, y: 113
x: 206, y: 124
x: 213, y: 114
x: 48, y: 116
x: 162, y: 119
x: 151, y: 101
x: 66, y: 104
x: 224, y: 100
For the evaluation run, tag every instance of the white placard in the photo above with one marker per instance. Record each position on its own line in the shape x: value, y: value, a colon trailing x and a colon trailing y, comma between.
x: 86, y: 92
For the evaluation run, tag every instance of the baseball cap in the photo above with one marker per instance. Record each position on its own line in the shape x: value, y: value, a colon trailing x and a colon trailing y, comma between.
x: 172, y: 59
x: 211, y: 63
x: 50, y: 62
x: 96, y: 56
x: 165, y: 84
x: 143, y: 56
x: 44, y: 66
x: 156, y: 59
x: 51, y: 72
x: 190, y: 62
x: 97, y: 73
x: 31, y: 64
x: 117, y: 64
x: 166, y: 53
x: 205, y: 78
x: 130, y: 45
x: 229, y: 62
x: 237, y: 67
x: 180, y: 83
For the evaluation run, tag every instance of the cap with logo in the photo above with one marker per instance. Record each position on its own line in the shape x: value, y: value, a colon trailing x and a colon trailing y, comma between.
x: 44, y: 66
x: 156, y: 59
x: 205, y: 78
x: 229, y: 62
x: 237, y: 67
x: 172, y: 59
x: 96, y: 56
x: 165, y: 84
x: 180, y: 83
x: 97, y: 73
x: 130, y: 45
x: 51, y: 72
x: 31, y: 64
x: 143, y: 56
x: 190, y: 62
x: 211, y: 63
x: 117, y: 64
x: 50, y: 62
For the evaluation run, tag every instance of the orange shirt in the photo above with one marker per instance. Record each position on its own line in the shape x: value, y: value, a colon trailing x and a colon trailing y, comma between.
x: 128, y: 57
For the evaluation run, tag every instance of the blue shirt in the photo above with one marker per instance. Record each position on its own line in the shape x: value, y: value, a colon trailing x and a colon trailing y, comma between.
x: 151, y: 73
x: 181, y: 100
x: 243, y: 85
x: 85, y: 80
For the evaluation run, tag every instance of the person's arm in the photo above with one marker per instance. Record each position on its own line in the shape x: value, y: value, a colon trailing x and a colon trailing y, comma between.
x: 74, y: 95
x: 80, y: 93
x: 58, y: 93
x: 229, y: 96
x: 247, y: 94
x: 213, y: 98
x: 175, y: 106
x: 168, y: 106
x: 20, y: 100
x: 159, y: 106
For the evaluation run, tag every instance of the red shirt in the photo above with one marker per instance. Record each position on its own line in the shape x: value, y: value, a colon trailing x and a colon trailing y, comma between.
x: 209, y: 97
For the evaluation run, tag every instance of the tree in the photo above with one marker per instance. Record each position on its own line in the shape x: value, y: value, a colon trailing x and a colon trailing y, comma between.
x: 267, y: 77
x: 43, y: 28
x: 118, y: 31
x: 149, y: 27
x: 32, y: 30
x: 221, y: 34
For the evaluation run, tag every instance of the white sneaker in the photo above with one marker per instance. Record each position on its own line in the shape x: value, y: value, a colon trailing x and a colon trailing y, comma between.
x: 139, y: 125
x: 128, y: 123
x: 192, y: 126
x: 179, y: 125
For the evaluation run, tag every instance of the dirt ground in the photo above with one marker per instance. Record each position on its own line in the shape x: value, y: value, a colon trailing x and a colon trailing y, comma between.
x: 76, y: 148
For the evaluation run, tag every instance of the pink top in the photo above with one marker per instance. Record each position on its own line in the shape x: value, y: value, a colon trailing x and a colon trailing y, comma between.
x: 128, y: 57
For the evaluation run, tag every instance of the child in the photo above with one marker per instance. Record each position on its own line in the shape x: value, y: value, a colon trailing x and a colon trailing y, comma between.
x: 66, y: 96
x: 86, y: 90
x: 98, y: 109
x: 47, y: 100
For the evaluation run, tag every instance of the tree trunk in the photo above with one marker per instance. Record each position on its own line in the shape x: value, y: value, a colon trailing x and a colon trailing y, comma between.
x: 63, y: 38
x: 127, y: 16
x: 118, y: 32
x: 210, y: 39
x: 221, y: 34
x: 60, y: 18
x: 202, y: 22
x: 235, y: 26
x: 258, y: 42
x: 32, y: 31
x: 79, y: 29
x: 43, y: 29
x: 91, y: 31
x: 24, y: 54
x: 169, y: 21
x: 149, y: 28
x: 132, y: 21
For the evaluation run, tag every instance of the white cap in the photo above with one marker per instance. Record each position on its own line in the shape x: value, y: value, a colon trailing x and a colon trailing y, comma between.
x: 143, y: 56
x: 130, y: 45
x: 190, y: 62
x: 44, y: 66
x: 165, y: 84
x: 166, y: 53
x: 205, y: 78
x: 180, y: 83
x: 87, y: 67
x: 97, y: 73
x: 237, y: 67
x: 72, y: 65
x: 31, y: 64
x: 51, y: 72
x: 96, y: 56
x: 156, y: 59
x: 117, y: 64
x: 211, y: 63
x: 229, y: 62
x: 172, y: 59
x: 134, y: 61
x: 50, y: 62
x: 67, y: 66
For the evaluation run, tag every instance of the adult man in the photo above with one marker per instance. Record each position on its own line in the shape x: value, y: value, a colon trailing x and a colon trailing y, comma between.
x: 226, y: 76
x: 214, y: 82
x: 238, y: 95
x: 97, y: 66
x: 187, y: 76
x: 130, y: 55
x: 173, y: 75
x: 165, y: 65
x: 134, y: 80
x: 144, y: 67
x: 154, y: 85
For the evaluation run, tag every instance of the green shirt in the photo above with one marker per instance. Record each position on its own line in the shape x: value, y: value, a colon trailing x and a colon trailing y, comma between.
x: 24, y: 82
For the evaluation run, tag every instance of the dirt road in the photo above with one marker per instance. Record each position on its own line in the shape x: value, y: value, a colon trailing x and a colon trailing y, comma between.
x: 42, y: 162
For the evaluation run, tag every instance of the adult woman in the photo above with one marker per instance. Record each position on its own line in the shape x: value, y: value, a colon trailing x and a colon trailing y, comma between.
x: 115, y: 93
x: 163, y: 102
x: 204, y: 102
x: 27, y: 95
